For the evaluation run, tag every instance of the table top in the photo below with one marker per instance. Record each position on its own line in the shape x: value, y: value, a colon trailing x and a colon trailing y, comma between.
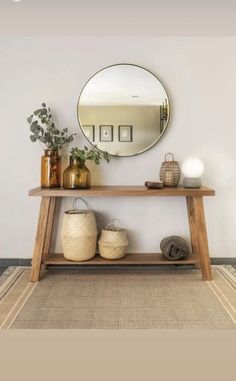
x: 120, y: 191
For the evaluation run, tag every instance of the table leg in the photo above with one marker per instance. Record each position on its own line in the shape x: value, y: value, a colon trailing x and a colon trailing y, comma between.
x: 40, y: 238
x: 201, y: 237
x: 48, y: 234
x: 193, y: 229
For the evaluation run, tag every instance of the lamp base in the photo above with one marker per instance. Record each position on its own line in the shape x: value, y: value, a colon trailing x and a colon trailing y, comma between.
x: 190, y: 182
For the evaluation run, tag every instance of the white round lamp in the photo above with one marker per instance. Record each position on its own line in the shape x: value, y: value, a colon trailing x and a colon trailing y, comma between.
x: 192, y: 168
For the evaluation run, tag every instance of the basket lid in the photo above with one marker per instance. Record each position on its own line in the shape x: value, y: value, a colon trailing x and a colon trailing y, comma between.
x: 76, y: 210
x: 172, y: 158
x: 113, y: 227
x: 79, y: 211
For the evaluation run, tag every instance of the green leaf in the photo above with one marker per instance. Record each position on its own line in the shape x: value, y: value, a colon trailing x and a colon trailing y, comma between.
x: 32, y: 128
x: 32, y: 138
x: 42, y: 139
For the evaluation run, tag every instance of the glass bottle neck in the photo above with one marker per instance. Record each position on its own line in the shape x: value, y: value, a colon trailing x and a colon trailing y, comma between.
x: 77, y: 162
x: 51, y: 152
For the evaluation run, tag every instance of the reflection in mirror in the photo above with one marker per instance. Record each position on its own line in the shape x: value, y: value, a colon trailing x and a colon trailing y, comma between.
x: 123, y: 109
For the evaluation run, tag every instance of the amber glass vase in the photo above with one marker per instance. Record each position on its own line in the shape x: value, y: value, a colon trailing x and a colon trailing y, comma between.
x: 50, y: 169
x: 77, y: 175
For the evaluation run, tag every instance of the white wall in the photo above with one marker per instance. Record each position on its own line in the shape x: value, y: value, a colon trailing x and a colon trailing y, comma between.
x: 200, y: 76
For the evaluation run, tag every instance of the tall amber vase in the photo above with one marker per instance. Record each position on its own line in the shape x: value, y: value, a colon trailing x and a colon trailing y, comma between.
x: 76, y: 175
x: 50, y: 169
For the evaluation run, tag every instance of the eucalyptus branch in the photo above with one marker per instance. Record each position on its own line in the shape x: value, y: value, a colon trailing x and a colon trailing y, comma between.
x: 43, y: 129
x: 90, y: 154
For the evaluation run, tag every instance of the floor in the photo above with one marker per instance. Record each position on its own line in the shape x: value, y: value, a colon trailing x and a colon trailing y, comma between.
x: 2, y: 269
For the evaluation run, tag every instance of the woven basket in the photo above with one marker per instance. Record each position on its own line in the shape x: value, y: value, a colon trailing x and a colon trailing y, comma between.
x: 170, y: 172
x: 79, y: 233
x: 113, y: 242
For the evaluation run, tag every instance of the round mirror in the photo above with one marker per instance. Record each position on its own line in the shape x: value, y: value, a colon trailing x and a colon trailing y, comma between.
x: 123, y: 109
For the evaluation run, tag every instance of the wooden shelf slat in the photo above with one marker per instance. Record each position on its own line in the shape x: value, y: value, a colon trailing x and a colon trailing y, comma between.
x: 129, y: 259
x: 104, y: 191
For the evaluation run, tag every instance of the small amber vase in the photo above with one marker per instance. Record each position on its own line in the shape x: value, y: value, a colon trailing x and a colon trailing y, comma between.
x: 50, y: 169
x: 77, y: 175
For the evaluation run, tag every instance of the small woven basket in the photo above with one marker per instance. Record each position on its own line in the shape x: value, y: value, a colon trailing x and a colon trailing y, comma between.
x: 170, y: 172
x: 79, y: 233
x: 113, y: 242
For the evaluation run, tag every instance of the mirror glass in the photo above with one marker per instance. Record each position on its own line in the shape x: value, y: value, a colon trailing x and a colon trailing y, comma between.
x: 123, y: 109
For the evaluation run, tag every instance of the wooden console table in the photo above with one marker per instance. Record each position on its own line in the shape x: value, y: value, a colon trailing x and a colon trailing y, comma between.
x: 197, y: 226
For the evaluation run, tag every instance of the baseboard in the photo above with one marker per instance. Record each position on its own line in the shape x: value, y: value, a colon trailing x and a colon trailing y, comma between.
x: 6, y: 262
x: 223, y: 261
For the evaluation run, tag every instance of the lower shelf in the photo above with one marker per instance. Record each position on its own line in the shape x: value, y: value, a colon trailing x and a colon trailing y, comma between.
x: 129, y: 259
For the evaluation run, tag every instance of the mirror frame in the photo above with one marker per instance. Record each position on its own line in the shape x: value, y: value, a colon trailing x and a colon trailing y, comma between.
x: 167, y: 121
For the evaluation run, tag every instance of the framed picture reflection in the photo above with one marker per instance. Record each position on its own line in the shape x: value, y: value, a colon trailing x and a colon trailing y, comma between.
x: 125, y: 133
x: 106, y: 133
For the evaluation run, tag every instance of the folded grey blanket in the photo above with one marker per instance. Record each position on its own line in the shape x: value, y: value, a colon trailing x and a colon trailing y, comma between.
x: 174, y: 248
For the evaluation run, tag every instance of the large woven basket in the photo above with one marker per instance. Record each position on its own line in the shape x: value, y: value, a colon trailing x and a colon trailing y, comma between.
x: 79, y: 233
x: 113, y: 242
x: 170, y: 172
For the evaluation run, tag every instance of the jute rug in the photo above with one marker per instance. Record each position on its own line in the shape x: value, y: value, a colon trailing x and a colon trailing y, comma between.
x: 123, y: 298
